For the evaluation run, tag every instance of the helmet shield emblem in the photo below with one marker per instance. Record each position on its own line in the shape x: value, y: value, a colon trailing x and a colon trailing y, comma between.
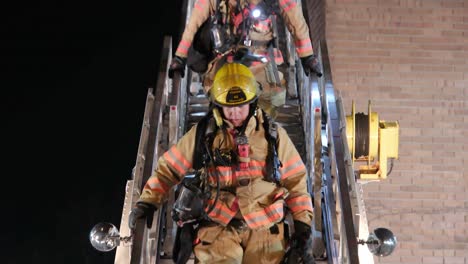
x: 235, y: 95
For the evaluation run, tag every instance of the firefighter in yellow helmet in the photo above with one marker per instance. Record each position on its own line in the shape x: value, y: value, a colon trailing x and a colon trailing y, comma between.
x: 242, y: 217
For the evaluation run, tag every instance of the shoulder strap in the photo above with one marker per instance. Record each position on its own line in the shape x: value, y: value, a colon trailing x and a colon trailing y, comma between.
x: 205, y: 132
x: 217, y: 14
x: 202, y: 126
x: 272, y: 160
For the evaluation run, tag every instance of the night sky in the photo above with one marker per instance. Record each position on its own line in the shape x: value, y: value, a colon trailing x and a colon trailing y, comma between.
x: 74, y: 78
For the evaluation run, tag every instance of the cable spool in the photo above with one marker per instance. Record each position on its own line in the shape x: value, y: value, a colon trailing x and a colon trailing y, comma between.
x: 362, y: 132
x: 372, y: 141
x: 361, y: 146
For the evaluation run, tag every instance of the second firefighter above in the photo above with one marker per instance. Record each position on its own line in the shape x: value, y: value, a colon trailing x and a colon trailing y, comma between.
x: 251, y: 172
x: 245, y: 24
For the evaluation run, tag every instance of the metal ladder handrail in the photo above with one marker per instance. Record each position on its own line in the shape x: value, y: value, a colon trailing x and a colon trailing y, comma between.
x: 339, y: 188
x: 154, y: 140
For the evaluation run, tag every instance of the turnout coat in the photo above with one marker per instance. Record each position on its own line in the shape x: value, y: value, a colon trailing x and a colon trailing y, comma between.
x: 289, y: 10
x: 250, y: 197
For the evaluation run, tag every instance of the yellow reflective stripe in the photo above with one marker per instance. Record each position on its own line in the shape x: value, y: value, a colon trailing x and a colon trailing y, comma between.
x: 271, y: 214
x: 224, y: 174
x: 278, y: 56
x: 304, y: 50
x: 200, y: 4
x: 303, y: 42
x: 220, y: 212
x: 287, y: 5
x: 223, y: 180
x: 291, y: 161
x: 257, y: 163
x: 249, y: 172
x: 183, y: 47
x: 227, y: 173
x: 263, y: 25
x: 303, y: 46
x: 291, y: 167
x: 297, y: 169
x: 177, y: 160
x: 300, y: 203
x: 157, y: 185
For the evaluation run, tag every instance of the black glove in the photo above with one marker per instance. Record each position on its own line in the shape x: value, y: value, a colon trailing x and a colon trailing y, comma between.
x: 177, y: 65
x: 311, y: 64
x: 301, y: 245
x: 142, y: 210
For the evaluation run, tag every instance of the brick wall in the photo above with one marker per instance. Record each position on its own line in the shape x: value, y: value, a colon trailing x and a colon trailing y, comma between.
x: 410, y: 58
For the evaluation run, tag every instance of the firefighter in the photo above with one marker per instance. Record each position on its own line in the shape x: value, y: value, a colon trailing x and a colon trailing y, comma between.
x: 248, y: 24
x: 245, y: 209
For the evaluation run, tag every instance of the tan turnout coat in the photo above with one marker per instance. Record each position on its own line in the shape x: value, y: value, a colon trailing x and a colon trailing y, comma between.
x: 260, y: 203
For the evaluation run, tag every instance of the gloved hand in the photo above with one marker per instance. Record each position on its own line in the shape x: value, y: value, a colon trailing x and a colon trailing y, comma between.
x: 177, y: 65
x: 311, y: 64
x: 142, y: 210
x: 301, y: 245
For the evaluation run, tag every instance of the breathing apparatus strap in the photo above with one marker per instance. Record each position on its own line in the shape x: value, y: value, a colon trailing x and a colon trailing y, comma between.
x: 202, y: 156
x: 198, y: 159
x: 207, y: 128
x: 205, y: 131
x: 272, y: 160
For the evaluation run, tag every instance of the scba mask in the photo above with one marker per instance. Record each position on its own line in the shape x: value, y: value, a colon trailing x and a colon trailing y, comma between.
x: 189, y: 204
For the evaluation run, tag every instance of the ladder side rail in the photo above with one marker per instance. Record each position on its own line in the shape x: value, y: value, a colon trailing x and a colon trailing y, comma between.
x: 177, y: 108
x: 311, y: 101
x: 178, y: 90
x: 132, y: 192
x: 325, y: 177
x: 306, y: 108
x: 141, y: 171
x: 294, y: 84
x: 362, y: 228
x: 168, y: 94
x: 348, y: 238
x: 328, y: 209
x: 143, y: 248
x: 172, y: 120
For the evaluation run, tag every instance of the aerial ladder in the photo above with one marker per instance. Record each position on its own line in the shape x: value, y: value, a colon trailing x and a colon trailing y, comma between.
x: 340, y: 152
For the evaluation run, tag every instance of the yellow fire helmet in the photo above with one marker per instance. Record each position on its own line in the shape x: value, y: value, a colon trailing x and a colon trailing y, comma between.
x: 234, y: 84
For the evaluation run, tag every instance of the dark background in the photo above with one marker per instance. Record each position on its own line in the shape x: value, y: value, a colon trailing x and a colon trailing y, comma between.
x: 74, y: 78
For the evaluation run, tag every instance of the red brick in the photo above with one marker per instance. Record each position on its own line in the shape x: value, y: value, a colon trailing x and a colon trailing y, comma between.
x: 453, y: 4
x: 413, y: 55
x: 457, y: 253
x: 433, y: 260
x: 455, y: 260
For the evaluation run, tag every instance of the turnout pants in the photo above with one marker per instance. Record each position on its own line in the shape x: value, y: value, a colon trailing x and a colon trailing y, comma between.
x: 233, y: 245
